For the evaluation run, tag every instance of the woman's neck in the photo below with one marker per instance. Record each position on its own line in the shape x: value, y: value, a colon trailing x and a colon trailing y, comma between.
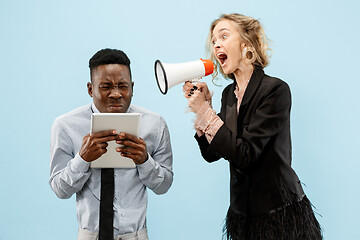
x: 243, y: 74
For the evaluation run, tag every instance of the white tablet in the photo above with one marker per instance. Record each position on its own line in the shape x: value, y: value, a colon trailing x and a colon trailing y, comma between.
x: 121, y: 122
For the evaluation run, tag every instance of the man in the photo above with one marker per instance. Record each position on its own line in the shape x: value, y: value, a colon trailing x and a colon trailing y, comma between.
x: 73, y: 148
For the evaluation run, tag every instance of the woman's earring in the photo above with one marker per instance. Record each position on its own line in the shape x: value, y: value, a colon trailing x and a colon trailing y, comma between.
x: 250, y: 54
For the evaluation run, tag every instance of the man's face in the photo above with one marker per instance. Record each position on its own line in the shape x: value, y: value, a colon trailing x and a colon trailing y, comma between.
x: 111, y: 88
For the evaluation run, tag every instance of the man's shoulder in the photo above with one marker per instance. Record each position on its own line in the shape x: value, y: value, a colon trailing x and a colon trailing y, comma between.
x: 149, y: 118
x: 144, y: 112
x: 77, y: 113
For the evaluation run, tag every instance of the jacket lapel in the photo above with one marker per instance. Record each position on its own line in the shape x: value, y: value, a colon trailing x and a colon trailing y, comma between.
x: 231, y: 111
x: 231, y: 108
x: 254, y: 82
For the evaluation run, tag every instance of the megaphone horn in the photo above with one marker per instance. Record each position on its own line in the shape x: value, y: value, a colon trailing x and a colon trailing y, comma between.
x: 168, y: 75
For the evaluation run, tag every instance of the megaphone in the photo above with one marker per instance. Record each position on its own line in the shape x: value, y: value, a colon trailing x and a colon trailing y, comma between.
x: 168, y: 75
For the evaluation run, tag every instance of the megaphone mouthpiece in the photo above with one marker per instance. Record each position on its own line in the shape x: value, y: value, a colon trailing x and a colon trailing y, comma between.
x: 168, y: 75
x: 209, y: 66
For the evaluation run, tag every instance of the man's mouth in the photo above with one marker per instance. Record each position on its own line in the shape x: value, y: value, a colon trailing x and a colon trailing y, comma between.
x: 115, y: 105
x: 222, y: 57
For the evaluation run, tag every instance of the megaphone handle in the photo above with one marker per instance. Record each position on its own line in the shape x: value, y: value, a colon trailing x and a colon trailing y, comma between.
x: 195, y: 80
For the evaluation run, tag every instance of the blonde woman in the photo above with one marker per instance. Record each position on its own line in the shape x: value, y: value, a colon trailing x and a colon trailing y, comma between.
x: 252, y: 132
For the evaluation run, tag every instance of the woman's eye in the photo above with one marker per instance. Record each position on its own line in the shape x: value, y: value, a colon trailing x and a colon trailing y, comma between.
x: 224, y: 37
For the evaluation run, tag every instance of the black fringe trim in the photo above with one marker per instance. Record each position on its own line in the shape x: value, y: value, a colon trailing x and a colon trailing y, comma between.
x: 295, y: 221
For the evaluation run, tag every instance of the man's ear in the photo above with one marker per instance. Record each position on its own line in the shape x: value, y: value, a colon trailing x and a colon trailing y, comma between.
x: 90, y: 89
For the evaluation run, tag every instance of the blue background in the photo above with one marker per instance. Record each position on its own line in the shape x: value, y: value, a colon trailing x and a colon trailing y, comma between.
x: 44, y: 51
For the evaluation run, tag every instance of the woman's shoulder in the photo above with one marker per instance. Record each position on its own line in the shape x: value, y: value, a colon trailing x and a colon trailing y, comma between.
x: 274, y: 88
x: 272, y: 84
x: 274, y: 81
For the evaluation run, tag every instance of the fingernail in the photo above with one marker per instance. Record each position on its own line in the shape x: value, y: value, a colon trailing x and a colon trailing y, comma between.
x: 191, y: 92
x: 195, y: 87
x: 192, y: 89
x: 189, y: 95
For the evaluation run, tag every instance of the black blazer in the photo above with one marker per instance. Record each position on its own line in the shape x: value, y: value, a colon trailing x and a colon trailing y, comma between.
x: 257, y: 145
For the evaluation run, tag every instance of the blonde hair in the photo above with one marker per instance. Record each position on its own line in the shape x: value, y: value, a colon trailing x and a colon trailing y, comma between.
x: 253, y: 35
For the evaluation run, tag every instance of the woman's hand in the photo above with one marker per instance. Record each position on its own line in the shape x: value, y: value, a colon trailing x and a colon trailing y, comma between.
x: 197, y: 95
x: 196, y: 100
x: 189, y: 88
x: 204, y: 88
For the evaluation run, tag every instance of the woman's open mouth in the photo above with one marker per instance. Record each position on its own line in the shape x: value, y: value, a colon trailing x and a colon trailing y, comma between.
x: 222, y: 57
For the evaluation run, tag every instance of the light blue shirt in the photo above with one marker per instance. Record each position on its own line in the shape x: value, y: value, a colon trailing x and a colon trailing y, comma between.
x: 70, y: 174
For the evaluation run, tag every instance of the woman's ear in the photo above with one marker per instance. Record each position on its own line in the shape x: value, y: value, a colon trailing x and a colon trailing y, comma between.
x: 243, y: 45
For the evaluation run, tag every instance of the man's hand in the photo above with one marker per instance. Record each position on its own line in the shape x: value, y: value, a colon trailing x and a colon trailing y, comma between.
x: 93, y: 146
x: 134, y: 148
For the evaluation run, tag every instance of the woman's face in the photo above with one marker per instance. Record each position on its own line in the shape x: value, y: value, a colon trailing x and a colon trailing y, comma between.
x: 227, y: 46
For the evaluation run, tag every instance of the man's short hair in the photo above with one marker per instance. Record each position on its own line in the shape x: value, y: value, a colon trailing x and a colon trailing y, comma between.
x: 108, y: 56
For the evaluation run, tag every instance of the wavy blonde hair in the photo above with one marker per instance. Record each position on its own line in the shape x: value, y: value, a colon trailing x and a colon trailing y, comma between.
x: 253, y: 35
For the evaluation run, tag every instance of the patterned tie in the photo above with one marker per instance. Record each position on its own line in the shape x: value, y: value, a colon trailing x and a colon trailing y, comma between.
x: 106, y: 220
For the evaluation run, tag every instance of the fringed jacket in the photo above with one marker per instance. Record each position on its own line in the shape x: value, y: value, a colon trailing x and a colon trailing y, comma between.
x: 257, y: 144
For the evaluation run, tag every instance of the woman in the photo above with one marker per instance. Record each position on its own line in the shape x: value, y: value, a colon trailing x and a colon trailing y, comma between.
x: 252, y: 132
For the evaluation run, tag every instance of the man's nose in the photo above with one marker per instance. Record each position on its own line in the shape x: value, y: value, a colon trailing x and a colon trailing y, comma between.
x: 115, y: 93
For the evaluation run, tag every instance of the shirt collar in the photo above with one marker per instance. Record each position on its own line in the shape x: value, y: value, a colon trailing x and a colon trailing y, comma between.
x: 95, y: 110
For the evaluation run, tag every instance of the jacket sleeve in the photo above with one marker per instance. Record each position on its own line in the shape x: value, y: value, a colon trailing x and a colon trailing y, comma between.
x: 68, y: 171
x: 210, y: 155
x: 156, y: 173
x: 206, y: 153
x: 266, y: 121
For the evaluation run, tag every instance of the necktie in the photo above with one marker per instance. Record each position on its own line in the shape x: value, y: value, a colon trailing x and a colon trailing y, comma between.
x: 106, y: 220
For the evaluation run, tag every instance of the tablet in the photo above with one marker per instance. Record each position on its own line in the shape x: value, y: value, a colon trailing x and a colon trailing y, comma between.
x: 121, y: 122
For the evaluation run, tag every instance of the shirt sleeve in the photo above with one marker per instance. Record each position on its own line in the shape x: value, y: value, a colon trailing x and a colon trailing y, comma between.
x: 207, y: 122
x: 156, y: 173
x: 68, y: 171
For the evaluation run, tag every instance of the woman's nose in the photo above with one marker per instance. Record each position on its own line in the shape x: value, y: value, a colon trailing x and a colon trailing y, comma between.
x: 217, y: 44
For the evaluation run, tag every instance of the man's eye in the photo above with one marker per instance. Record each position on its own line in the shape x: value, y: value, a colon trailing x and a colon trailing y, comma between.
x: 224, y: 37
x: 104, y: 87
